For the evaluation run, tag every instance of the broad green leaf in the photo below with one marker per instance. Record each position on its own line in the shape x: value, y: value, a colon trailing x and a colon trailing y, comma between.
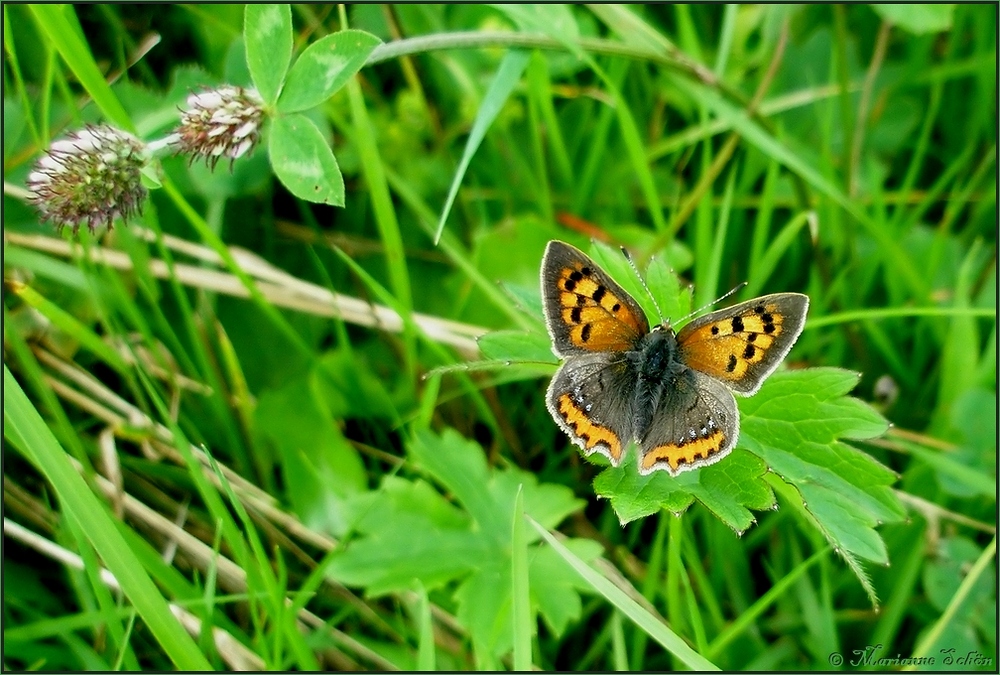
x: 527, y: 298
x: 971, y: 468
x: 944, y: 573
x: 267, y: 31
x: 947, y: 630
x: 439, y: 541
x: 918, y: 18
x: 460, y: 466
x: 521, y: 603
x: 325, y: 67
x: 470, y: 545
x: 560, y: 594
x: 350, y: 388
x: 515, y: 345
x: 794, y: 425
x: 318, y: 464
x: 304, y: 162
x: 728, y: 488
x: 657, y: 288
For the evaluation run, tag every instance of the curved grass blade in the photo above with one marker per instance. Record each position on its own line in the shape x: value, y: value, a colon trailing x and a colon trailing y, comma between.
x: 24, y: 427
x: 507, y: 77
x: 670, y: 640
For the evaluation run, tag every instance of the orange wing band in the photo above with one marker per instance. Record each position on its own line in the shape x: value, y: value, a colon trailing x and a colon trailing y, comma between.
x: 591, y: 434
x: 675, y: 455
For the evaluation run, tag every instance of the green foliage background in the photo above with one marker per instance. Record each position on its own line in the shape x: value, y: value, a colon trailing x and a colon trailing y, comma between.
x: 380, y: 485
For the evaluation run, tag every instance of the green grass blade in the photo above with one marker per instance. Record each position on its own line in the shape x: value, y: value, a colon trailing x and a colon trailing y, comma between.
x: 213, y: 241
x: 521, y: 600
x: 746, y: 619
x: 385, y: 216
x: 653, y: 627
x: 507, y: 77
x: 24, y: 427
x: 67, y: 323
x: 769, y: 261
x: 60, y: 25
x: 619, y: 655
x: 923, y: 648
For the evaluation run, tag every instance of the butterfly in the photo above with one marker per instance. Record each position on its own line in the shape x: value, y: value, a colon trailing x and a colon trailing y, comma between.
x: 670, y: 392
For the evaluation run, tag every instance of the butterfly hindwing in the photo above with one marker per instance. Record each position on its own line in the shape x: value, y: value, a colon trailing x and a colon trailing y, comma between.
x: 584, y: 400
x: 743, y: 344
x: 585, y: 310
x: 695, y: 423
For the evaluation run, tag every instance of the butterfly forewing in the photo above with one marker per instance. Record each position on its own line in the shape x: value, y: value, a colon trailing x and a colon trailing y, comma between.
x: 586, y: 311
x: 743, y: 344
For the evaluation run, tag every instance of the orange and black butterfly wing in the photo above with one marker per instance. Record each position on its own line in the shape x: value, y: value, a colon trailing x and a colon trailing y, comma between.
x: 743, y: 344
x: 586, y: 310
x: 589, y: 400
x: 695, y: 423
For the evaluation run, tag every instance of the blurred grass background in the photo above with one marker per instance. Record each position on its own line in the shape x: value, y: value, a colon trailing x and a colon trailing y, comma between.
x: 848, y: 152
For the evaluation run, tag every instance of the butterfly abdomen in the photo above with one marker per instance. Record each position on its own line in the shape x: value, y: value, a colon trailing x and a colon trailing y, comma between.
x: 658, y: 367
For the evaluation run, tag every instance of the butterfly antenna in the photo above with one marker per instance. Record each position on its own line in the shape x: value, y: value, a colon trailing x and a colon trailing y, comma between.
x: 643, y: 282
x: 716, y: 301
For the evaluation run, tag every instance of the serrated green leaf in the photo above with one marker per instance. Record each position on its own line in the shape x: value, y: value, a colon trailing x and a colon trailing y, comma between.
x: 267, y: 31
x: 546, y: 503
x: 794, y: 425
x: 728, y: 488
x: 516, y: 345
x: 460, y: 466
x: 403, y: 516
x: 324, y: 67
x: 523, y: 626
x: 303, y: 161
x: 350, y: 389
x: 558, y: 599
x: 444, y: 543
x: 943, y: 574
x: 661, y: 283
x: 316, y: 460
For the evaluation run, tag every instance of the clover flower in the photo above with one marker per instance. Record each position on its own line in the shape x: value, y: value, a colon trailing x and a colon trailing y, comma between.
x: 91, y: 177
x: 223, y: 122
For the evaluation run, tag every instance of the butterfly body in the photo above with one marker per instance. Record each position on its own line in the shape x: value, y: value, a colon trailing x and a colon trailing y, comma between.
x: 670, y: 392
